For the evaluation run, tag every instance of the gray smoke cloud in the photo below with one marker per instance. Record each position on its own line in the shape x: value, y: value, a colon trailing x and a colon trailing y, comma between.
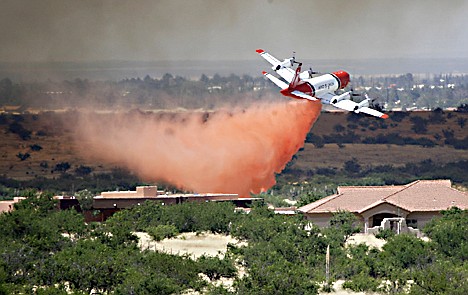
x: 67, y: 30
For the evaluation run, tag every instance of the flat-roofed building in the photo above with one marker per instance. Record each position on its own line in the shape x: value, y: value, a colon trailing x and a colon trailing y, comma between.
x: 110, y: 202
x: 8, y: 205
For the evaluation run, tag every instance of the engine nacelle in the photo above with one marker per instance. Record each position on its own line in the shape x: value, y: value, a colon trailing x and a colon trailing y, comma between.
x: 287, y: 63
x: 364, y: 103
x: 338, y: 98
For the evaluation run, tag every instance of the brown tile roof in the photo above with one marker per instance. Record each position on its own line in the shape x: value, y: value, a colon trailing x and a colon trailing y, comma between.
x: 420, y: 195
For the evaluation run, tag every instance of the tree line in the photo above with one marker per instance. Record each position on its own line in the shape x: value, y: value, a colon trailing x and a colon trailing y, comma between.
x: 168, y: 92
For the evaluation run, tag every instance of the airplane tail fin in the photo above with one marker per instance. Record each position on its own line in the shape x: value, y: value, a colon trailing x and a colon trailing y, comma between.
x: 296, y: 79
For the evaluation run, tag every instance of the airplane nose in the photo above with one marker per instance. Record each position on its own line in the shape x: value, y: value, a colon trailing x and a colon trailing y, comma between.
x: 343, y: 77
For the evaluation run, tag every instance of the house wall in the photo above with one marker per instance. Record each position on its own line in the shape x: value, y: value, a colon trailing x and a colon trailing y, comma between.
x: 319, y: 219
x: 423, y: 217
x: 6, y: 206
x: 323, y: 219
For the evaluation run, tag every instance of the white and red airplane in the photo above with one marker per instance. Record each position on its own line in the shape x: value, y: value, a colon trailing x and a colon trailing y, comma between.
x: 303, y: 86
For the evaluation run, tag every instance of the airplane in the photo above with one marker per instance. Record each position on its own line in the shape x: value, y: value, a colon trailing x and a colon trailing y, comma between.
x: 303, y: 85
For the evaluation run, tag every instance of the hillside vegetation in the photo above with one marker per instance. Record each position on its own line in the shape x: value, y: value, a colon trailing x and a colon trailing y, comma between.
x: 38, y: 151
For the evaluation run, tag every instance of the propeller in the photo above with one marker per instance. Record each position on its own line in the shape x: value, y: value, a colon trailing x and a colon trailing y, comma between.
x: 293, y: 59
x: 312, y: 72
x: 352, y: 93
x: 373, y: 105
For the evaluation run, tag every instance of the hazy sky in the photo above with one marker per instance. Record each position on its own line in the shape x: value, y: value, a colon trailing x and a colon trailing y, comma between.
x: 85, y: 30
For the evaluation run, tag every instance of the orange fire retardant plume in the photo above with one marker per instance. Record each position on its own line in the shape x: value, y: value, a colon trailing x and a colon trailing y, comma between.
x: 227, y: 151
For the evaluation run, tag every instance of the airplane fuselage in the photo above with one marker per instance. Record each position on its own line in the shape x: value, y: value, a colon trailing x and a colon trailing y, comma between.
x: 318, y: 86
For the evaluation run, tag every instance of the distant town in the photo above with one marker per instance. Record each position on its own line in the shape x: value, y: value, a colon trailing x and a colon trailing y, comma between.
x: 392, y: 92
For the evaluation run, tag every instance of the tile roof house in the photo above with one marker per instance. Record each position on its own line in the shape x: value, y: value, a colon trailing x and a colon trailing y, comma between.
x: 416, y: 203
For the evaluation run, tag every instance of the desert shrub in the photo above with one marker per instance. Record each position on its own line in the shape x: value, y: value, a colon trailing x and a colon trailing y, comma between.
x: 398, y: 116
x: 423, y: 141
x: 3, y: 119
x: 419, y: 124
x: 352, y: 166
x: 385, y: 234
x: 161, y: 232
x: 437, y: 117
x: 24, y: 156
x: 459, y: 144
x: 83, y: 170
x: 62, y: 167
x: 35, y: 147
x: 325, y: 171
x: 362, y: 283
x: 18, y: 129
x: 316, y: 140
x: 338, y: 128
x: 461, y: 122
x: 463, y: 108
x: 216, y: 268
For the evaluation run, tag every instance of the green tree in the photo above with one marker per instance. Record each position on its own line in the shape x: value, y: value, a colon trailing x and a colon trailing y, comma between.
x: 401, y: 256
x: 162, y: 231
x: 85, y: 198
x: 450, y: 233
x: 344, y: 224
x: 90, y: 265
x: 441, y: 277
x: 216, y: 268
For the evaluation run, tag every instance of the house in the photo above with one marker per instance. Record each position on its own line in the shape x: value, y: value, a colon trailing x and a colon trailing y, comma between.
x: 110, y: 202
x: 401, y: 207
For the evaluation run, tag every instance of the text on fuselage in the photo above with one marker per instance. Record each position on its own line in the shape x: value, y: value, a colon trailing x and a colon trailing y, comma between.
x: 326, y: 86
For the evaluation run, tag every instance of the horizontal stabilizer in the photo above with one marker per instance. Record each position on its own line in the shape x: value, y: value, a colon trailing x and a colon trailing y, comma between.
x: 278, y: 82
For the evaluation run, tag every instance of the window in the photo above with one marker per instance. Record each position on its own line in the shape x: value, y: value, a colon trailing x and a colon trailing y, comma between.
x: 412, y: 223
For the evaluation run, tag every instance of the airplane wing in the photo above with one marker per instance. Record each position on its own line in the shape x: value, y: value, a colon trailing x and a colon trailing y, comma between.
x: 373, y: 112
x: 269, y: 58
x: 346, y: 104
x: 352, y: 106
x: 286, y: 73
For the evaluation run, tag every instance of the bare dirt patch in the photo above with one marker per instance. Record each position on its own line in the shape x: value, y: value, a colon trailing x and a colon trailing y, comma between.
x: 192, y: 244
x: 368, y: 239
x: 338, y: 290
